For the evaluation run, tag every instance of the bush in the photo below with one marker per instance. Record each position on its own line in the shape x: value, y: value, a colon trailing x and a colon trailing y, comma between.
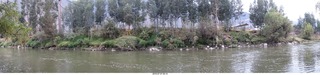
x: 307, y: 31
x: 66, y: 44
x: 164, y: 34
x: 241, y: 36
x: 145, y: 33
x: 204, y: 41
x: 33, y: 43
x: 167, y: 44
x: 172, y: 43
x: 95, y: 41
x: 142, y: 43
x: 5, y: 44
x: 233, y: 41
x: 178, y: 43
x: 48, y: 44
x: 258, y: 39
x: 109, y: 43
x: 127, y: 42
x: 276, y: 26
x: 227, y: 42
x: 110, y: 30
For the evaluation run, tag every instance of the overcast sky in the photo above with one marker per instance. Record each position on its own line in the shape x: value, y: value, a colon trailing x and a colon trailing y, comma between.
x: 293, y: 8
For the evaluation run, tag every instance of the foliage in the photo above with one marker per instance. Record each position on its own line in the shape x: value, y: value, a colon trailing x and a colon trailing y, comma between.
x: 227, y: 42
x: 258, y: 11
x: 307, y: 31
x: 33, y: 43
x: 127, y: 42
x: 96, y: 42
x: 82, y: 16
x: 100, y: 10
x: 47, y: 21
x: 109, y: 43
x: 127, y: 11
x: 318, y: 27
x: 309, y: 18
x: 258, y: 39
x: 200, y: 23
x: 172, y: 43
x: 207, y: 32
x: 10, y: 26
x: 66, y: 44
x: 229, y: 9
x: 241, y: 36
x: 299, y: 24
x: 109, y: 30
x: 148, y: 36
x: 277, y: 26
x: 5, y: 44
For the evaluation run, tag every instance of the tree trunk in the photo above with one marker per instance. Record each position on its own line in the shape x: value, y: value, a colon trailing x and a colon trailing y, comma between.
x: 216, y: 20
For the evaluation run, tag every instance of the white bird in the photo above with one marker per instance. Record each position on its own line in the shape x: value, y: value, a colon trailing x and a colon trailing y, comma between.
x: 113, y: 50
x: 187, y: 49
x: 207, y: 48
x: 265, y: 44
x: 222, y: 46
x: 211, y: 48
x: 18, y: 46
x: 239, y: 46
x: 154, y: 49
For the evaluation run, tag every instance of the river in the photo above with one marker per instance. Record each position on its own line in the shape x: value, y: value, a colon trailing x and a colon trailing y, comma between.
x: 300, y: 58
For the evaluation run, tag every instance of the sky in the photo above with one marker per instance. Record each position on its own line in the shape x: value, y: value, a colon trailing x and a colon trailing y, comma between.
x: 292, y: 8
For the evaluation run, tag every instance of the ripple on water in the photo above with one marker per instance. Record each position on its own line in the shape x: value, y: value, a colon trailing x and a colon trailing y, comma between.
x: 59, y: 60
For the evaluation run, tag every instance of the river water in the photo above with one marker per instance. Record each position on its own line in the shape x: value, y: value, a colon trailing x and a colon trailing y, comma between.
x: 298, y: 58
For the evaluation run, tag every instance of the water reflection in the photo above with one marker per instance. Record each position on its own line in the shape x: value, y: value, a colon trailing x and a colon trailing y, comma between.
x: 287, y: 58
x: 244, y: 61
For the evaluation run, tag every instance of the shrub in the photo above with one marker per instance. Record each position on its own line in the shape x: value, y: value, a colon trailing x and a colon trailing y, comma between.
x: 233, y: 41
x: 166, y: 44
x: 172, y: 43
x: 227, y: 42
x: 127, y: 42
x: 65, y: 44
x: 33, y: 43
x: 258, y: 39
x: 48, y: 44
x: 178, y: 43
x: 110, y: 30
x: 5, y: 44
x: 96, y: 41
x: 241, y: 36
x: 204, y: 41
x: 108, y: 43
x: 143, y: 43
x: 144, y: 35
x: 307, y: 31
x: 276, y: 26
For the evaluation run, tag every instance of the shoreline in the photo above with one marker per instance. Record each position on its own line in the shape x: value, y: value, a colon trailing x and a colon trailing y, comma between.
x: 159, y: 48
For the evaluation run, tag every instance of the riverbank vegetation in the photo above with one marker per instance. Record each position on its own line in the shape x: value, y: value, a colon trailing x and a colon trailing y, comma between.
x: 138, y: 24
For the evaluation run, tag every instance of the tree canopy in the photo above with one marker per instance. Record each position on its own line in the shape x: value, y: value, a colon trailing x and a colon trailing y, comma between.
x: 10, y: 25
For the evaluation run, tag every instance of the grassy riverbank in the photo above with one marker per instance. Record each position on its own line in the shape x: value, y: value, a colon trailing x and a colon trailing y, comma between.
x: 149, y: 39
